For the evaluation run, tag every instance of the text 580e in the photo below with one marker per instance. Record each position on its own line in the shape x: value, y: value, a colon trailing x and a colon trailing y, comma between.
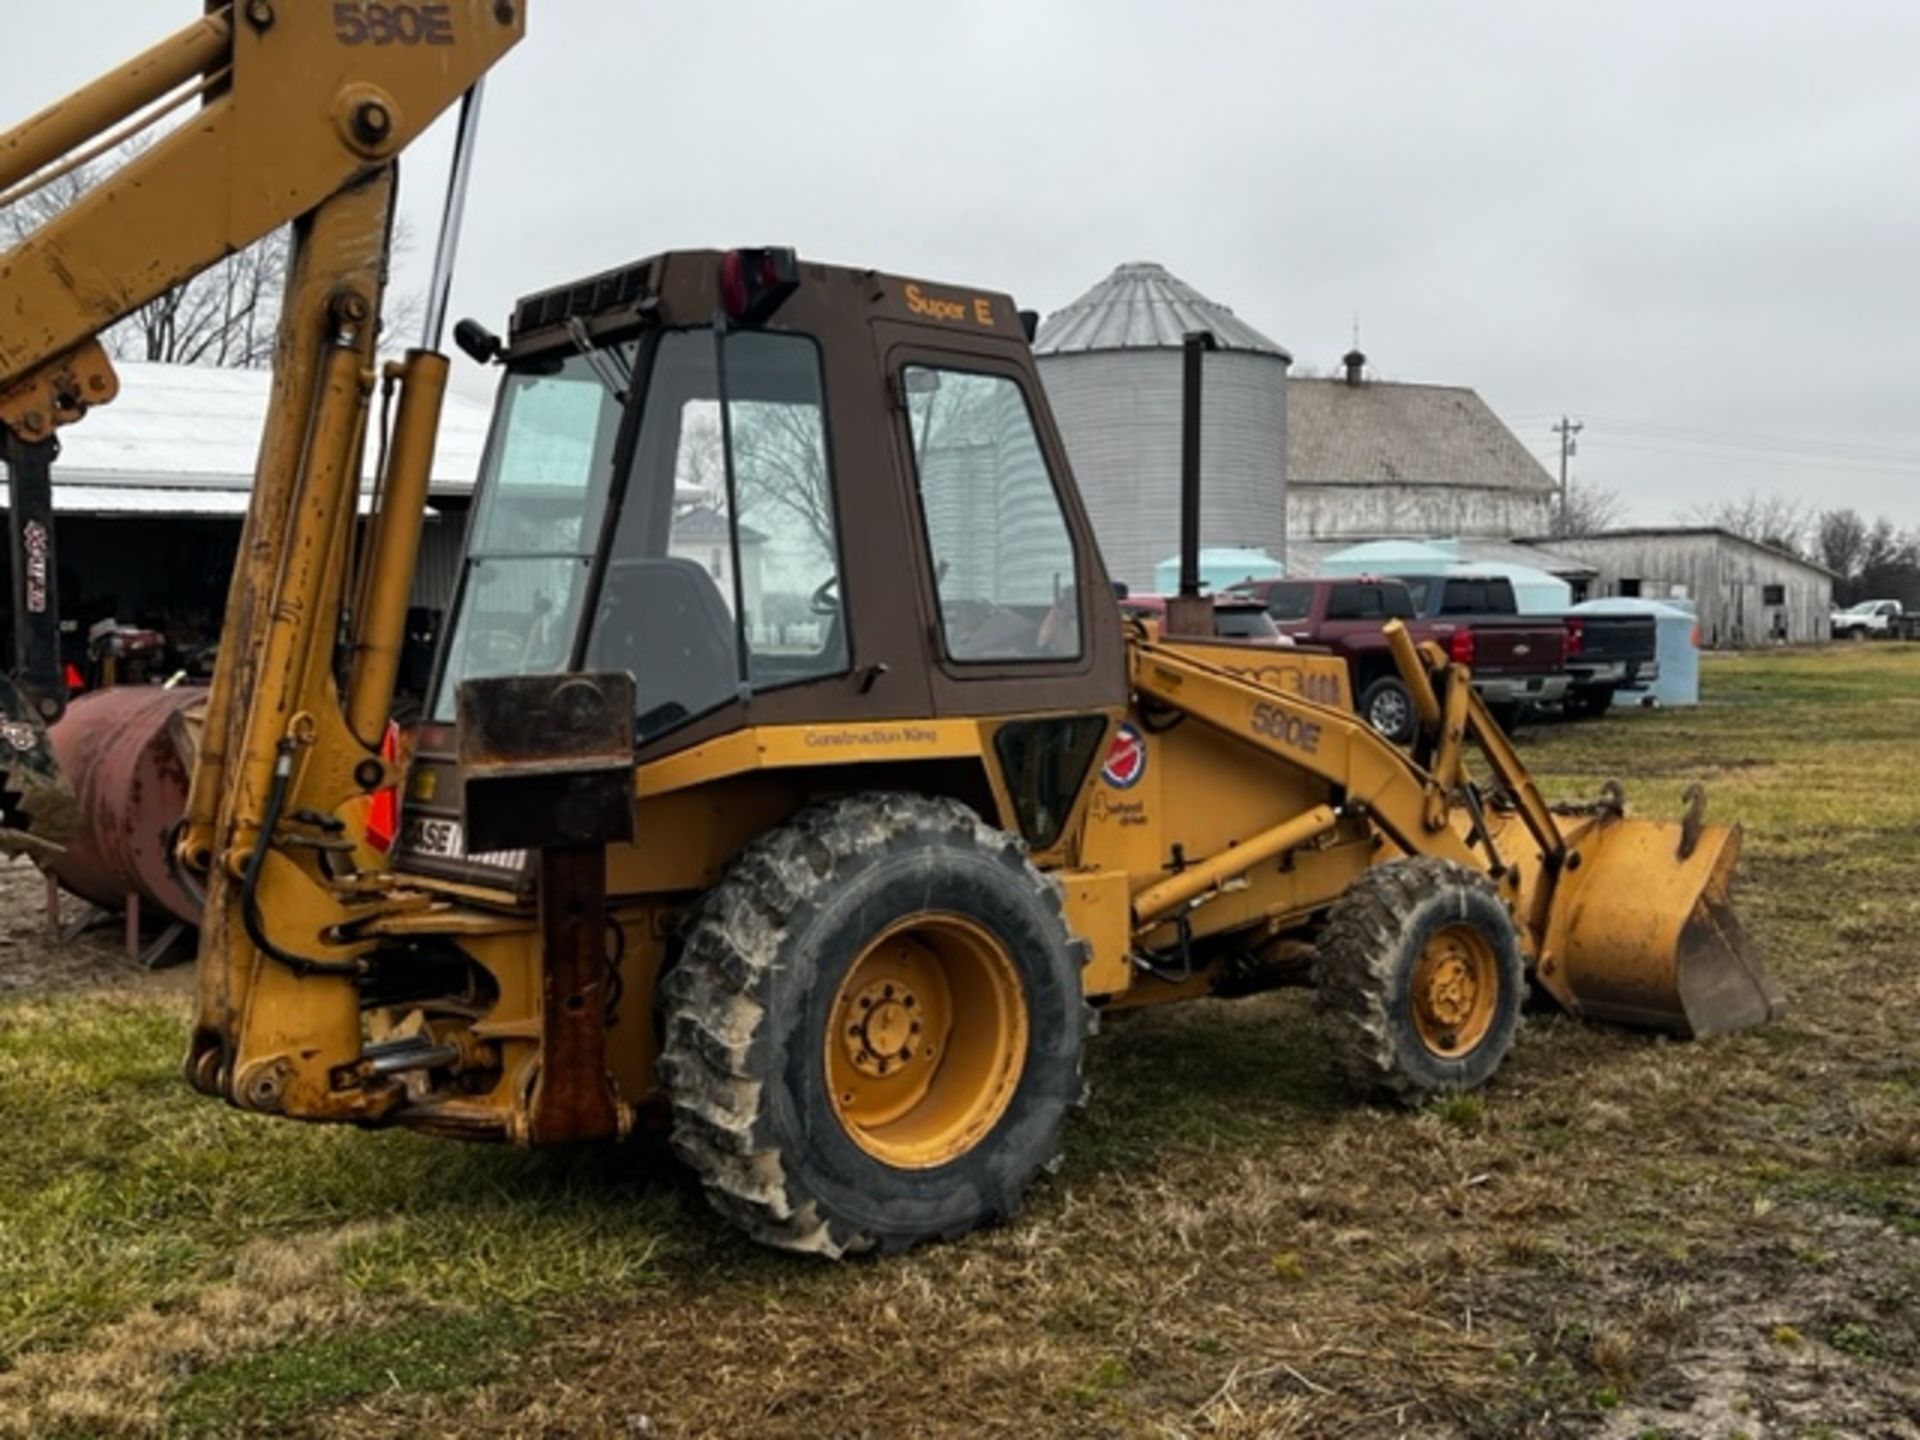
x: 362, y: 24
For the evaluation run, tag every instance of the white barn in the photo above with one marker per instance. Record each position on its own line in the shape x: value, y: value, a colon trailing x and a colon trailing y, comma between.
x: 1369, y: 459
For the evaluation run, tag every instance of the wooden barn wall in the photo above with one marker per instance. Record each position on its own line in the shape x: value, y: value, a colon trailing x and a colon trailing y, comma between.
x: 1319, y: 510
x: 1726, y: 579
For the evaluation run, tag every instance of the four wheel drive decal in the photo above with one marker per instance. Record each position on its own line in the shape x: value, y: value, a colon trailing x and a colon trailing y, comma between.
x: 1126, y: 759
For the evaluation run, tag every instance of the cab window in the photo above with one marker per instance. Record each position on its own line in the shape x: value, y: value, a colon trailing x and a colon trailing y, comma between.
x: 1003, y: 560
x: 1355, y: 602
x: 715, y: 590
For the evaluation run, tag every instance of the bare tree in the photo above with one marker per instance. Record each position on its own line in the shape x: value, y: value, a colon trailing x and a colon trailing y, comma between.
x: 1842, y: 541
x: 1587, y: 510
x: 24, y: 216
x: 780, y: 460
x: 1885, y: 548
x: 1775, y: 520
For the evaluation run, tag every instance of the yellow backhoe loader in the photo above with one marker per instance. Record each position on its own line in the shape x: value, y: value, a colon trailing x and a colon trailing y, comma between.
x: 789, y: 777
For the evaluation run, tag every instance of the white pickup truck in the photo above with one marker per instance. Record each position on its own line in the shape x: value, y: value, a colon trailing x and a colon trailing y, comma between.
x: 1870, y: 620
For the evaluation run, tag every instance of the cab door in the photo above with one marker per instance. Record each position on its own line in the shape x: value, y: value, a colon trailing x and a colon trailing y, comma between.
x: 1019, y: 614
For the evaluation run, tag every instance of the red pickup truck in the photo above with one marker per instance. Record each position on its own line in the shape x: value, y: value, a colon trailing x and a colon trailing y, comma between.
x: 1513, y: 661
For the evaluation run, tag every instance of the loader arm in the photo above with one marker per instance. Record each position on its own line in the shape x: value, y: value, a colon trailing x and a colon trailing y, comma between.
x: 303, y: 112
x: 1370, y: 776
x: 1619, y: 919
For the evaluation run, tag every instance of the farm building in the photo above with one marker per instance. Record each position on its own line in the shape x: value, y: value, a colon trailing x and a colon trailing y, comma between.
x: 1370, y: 459
x: 1111, y: 362
x: 1747, y: 595
x: 150, y: 493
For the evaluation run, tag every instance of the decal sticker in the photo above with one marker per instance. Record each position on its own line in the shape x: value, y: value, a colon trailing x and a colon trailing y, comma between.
x: 1126, y: 759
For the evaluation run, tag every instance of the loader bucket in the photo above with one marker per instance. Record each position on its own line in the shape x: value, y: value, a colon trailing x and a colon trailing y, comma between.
x: 1650, y: 936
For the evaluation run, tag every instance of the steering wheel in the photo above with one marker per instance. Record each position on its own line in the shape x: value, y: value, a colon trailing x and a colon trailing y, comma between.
x: 823, y: 601
x: 500, y: 649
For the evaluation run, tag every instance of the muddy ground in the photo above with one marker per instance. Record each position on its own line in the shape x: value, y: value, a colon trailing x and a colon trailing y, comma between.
x: 1621, y: 1237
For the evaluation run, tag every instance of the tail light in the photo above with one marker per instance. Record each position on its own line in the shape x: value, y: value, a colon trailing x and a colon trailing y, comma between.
x: 1460, y: 646
x: 755, y: 283
x: 1695, y: 637
x: 1576, y: 637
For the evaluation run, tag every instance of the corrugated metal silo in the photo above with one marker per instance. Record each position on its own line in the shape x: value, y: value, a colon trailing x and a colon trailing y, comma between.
x: 1111, y: 363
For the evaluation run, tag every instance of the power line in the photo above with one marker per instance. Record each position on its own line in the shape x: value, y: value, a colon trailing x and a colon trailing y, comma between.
x: 1617, y: 429
x: 1725, y: 450
x: 1869, y: 449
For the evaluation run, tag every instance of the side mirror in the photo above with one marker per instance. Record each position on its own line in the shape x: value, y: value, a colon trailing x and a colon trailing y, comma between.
x: 479, y: 344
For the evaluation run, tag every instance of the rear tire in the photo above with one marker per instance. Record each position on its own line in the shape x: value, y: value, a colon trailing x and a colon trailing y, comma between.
x: 1387, y: 706
x: 1420, y: 981
x: 874, y: 1031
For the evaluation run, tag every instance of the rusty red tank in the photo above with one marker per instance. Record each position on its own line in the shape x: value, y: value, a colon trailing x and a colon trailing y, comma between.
x: 117, y: 749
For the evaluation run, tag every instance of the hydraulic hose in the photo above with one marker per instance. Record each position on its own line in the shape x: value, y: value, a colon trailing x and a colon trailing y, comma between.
x: 300, y: 965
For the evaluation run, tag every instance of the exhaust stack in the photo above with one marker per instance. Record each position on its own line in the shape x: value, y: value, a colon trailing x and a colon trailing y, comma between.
x: 1190, y: 612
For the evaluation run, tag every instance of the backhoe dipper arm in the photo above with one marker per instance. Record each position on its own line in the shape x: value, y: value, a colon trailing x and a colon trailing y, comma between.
x: 305, y: 109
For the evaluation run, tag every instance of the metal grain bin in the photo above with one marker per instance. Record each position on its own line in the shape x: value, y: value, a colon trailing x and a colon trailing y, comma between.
x: 1111, y: 363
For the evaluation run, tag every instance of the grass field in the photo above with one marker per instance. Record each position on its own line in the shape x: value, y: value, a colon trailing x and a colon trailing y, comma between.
x: 1622, y: 1236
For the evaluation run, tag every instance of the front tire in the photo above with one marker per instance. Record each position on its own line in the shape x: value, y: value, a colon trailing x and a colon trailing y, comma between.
x: 874, y: 1032
x: 1420, y: 980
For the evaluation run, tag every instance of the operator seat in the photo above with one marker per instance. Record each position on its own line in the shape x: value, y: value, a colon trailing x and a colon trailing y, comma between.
x: 664, y: 621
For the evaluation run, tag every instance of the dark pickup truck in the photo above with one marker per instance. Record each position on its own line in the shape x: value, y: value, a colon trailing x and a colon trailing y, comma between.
x: 1517, y: 660
x: 1605, y: 654
x: 1349, y: 618
x: 1514, y: 661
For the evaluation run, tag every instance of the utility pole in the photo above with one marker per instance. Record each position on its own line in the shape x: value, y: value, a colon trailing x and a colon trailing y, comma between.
x: 1569, y: 447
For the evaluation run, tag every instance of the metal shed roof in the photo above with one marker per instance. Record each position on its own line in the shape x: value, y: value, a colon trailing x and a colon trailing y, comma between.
x: 1142, y: 306
x: 188, y: 430
x: 170, y: 500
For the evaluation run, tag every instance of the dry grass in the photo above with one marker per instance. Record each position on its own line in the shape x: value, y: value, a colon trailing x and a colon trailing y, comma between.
x: 1622, y: 1236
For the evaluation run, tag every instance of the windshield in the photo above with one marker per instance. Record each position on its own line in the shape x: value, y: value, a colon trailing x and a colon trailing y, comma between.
x: 1243, y: 622
x: 721, y: 579
x: 536, y: 524
x: 1290, y: 602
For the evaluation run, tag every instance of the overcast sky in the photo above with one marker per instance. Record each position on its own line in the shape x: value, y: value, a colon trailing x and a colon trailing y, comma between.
x: 1695, y: 226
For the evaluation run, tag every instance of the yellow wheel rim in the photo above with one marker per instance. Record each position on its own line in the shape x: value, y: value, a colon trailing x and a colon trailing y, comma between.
x: 1456, y: 989
x: 926, y: 1041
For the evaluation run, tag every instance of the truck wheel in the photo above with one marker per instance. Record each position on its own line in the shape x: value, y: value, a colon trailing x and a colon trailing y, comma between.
x: 1506, y: 714
x: 1420, y: 980
x: 1588, y: 704
x: 873, y: 1033
x: 1388, y: 708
